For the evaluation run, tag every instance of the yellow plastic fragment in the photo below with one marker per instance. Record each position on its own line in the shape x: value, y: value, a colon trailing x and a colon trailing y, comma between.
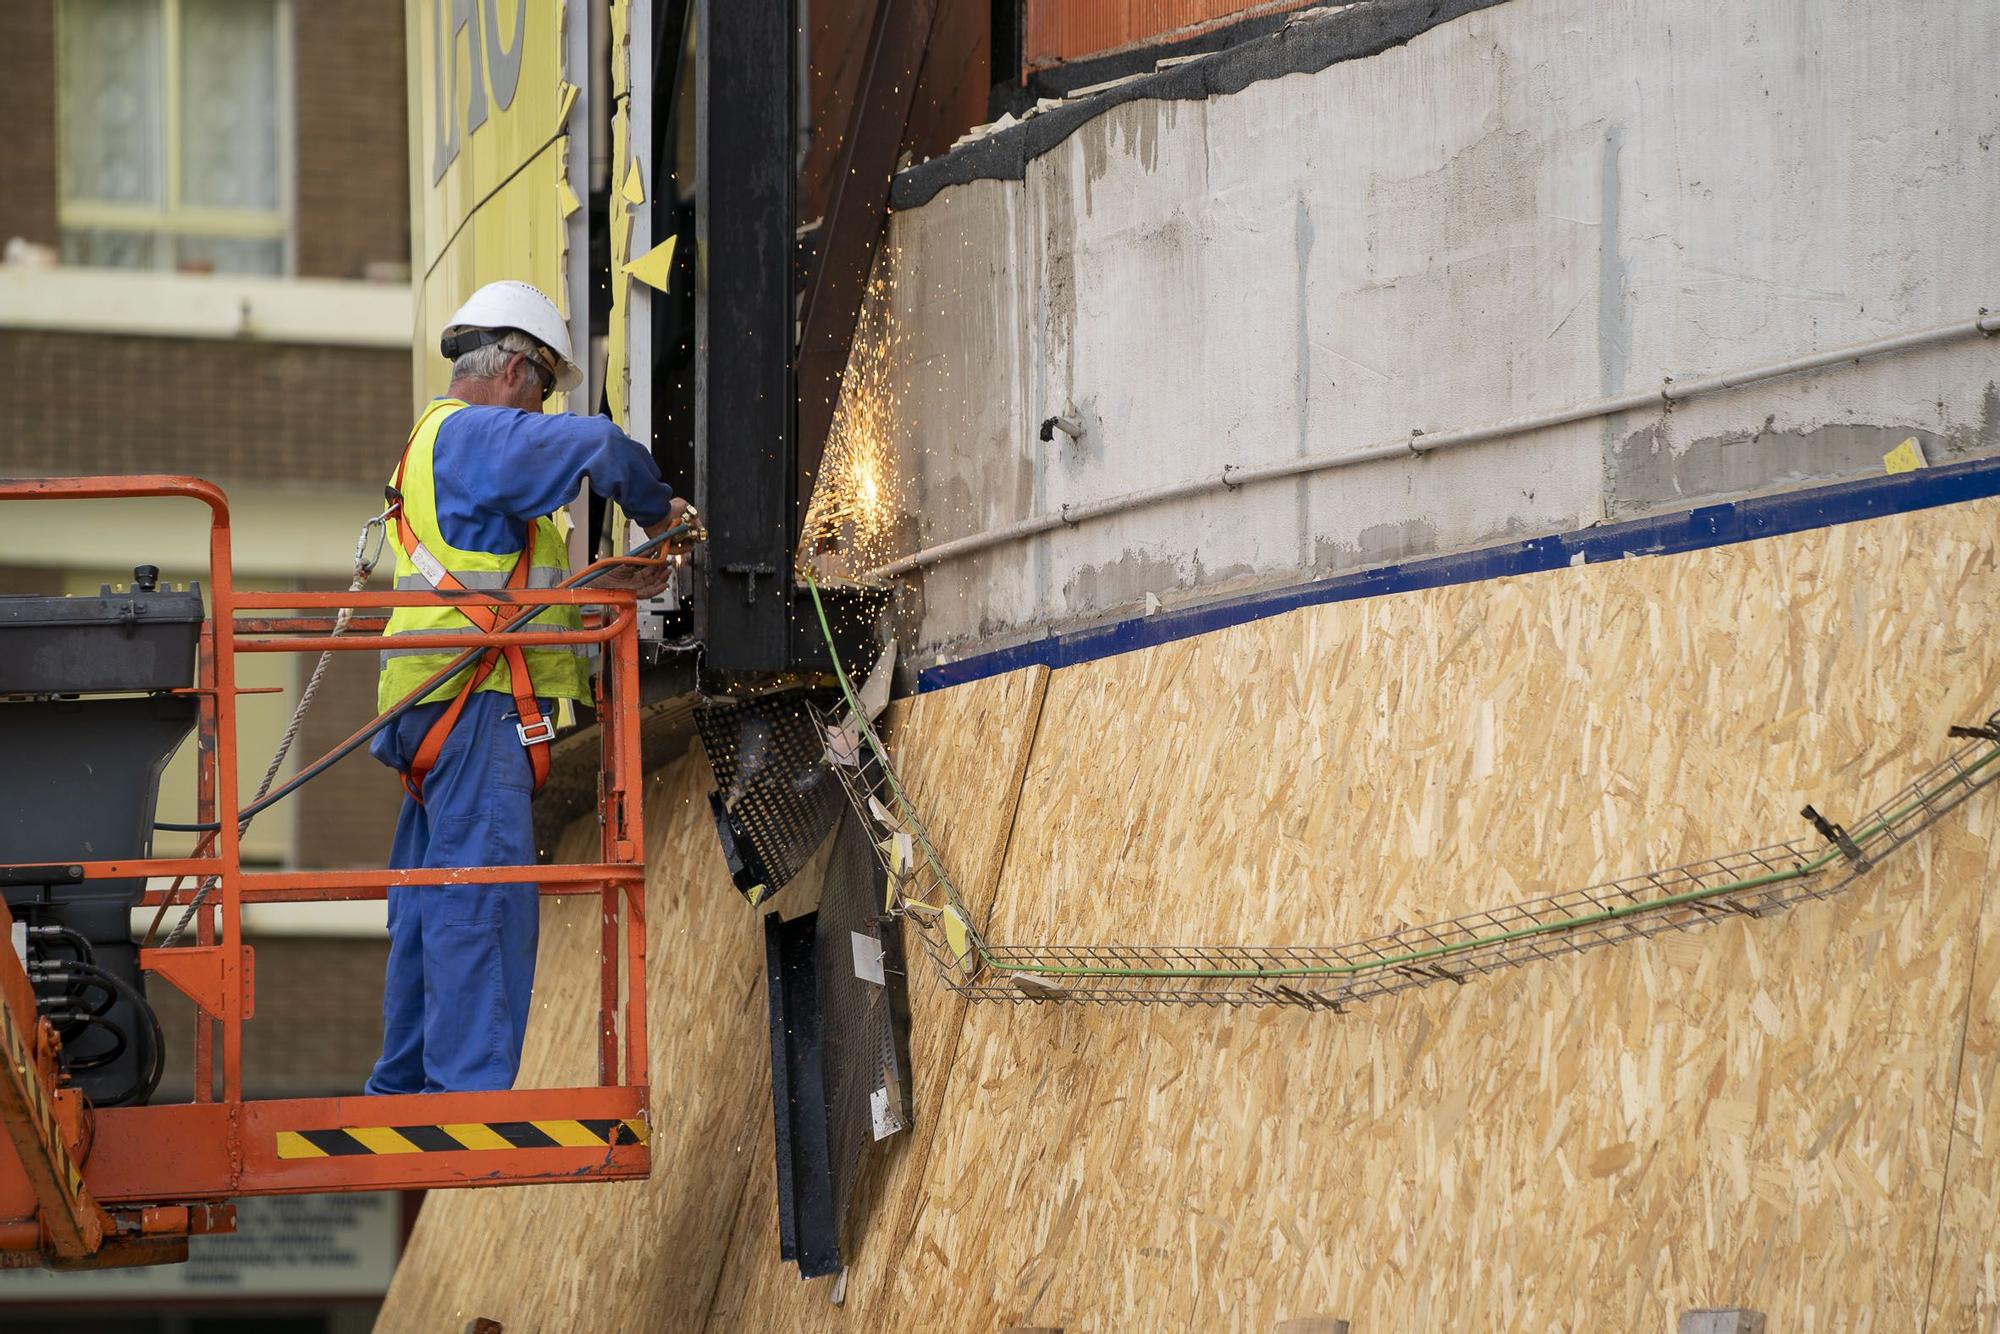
x: 655, y: 268
x: 635, y: 189
x: 568, y: 100
x: 955, y: 934
x: 895, y: 876
x: 567, y: 197
x: 1906, y: 457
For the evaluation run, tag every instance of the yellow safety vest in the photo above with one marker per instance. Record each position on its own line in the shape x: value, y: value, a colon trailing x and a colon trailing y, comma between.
x: 558, y: 672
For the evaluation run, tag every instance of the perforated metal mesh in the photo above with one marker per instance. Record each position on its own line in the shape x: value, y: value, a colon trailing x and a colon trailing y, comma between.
x: 865, y: 1026
x: 771, y: 786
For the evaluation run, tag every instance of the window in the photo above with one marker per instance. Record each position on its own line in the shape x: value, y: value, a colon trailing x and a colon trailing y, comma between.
x: 176, y: 134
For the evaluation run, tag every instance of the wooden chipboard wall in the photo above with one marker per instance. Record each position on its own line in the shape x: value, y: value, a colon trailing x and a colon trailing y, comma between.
x: 1795, y: 1115
x: 614, y: 1256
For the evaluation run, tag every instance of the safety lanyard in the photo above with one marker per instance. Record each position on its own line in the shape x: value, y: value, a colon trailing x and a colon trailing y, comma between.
x: 535, y: 731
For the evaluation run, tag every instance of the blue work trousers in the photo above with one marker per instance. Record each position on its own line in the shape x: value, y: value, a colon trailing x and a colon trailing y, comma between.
x: 461, y: 957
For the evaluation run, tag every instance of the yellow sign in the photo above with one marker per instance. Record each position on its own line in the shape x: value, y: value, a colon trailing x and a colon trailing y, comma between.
x: 490, y: 121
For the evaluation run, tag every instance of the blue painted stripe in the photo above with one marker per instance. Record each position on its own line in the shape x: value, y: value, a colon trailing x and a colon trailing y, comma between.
x: 1687, y: 530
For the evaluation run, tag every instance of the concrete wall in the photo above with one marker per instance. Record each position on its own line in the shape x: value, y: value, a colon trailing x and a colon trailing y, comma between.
x: 1533, y: 204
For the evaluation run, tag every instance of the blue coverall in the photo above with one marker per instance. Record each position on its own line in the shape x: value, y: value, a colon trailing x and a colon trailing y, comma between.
x: 462, y: 957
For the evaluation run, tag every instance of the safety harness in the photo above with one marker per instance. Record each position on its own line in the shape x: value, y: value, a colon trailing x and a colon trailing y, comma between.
x: 536, y: 731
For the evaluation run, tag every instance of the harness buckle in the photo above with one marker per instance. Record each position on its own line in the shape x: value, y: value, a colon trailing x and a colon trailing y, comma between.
x: 535, y: 734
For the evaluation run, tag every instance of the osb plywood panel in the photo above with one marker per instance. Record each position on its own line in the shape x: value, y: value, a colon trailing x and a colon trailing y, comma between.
x: 1965, y: 1289
x: 1773, y: 1113
x: 1390, y: 761
x: 962, y: 754
x: 1754, y: 1114
x: 1749, y: 1116
x: 624, y: 1255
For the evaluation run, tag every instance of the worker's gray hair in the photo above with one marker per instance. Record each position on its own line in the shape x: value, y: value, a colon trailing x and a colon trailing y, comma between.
x: 486, y: 363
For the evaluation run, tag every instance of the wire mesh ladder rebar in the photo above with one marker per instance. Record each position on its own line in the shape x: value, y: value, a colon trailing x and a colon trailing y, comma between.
x: 1750, y: 883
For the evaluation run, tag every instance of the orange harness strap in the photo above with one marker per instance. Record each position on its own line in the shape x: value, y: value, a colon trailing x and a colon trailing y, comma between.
x: 535, y: 731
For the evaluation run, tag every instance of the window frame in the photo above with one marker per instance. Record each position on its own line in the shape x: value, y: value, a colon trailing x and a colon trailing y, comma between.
x: 173, y: 219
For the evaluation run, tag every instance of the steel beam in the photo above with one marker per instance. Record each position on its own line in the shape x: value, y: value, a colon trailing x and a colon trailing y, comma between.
x: 855, y: 216
x: 744, y: 330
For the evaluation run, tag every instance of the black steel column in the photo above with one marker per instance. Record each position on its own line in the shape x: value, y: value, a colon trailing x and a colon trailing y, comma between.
x: 744, y: 400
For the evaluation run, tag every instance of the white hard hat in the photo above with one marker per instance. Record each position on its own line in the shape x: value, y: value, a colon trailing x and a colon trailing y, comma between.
x: 512, y: 305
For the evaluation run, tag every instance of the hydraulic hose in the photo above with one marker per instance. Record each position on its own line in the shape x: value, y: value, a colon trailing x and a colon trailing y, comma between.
x: 120, y: 1040
x: 156, y: 1062
x: 76, y: 940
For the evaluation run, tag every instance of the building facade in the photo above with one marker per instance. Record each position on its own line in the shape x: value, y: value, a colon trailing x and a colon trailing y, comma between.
x: 206, y: 272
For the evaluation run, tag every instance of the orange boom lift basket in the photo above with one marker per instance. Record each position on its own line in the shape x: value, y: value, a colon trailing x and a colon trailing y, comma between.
x: 83, y: 1187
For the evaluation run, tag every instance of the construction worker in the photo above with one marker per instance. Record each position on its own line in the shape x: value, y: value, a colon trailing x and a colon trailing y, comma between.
x: 471, y: 506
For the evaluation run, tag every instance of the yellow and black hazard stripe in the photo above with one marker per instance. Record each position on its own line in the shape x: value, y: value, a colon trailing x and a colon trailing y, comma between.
x: 353, y: 1141
x: 22, y: 1072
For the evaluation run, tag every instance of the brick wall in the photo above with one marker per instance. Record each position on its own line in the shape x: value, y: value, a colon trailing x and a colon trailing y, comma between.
x: 28, y: 111
x: 231, y: 412
x: 31, y: 579
x: 353, y: 190
x: 353, y: 178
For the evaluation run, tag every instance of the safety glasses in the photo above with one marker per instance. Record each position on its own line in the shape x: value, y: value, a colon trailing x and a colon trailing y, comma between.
x: 545, y: 372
